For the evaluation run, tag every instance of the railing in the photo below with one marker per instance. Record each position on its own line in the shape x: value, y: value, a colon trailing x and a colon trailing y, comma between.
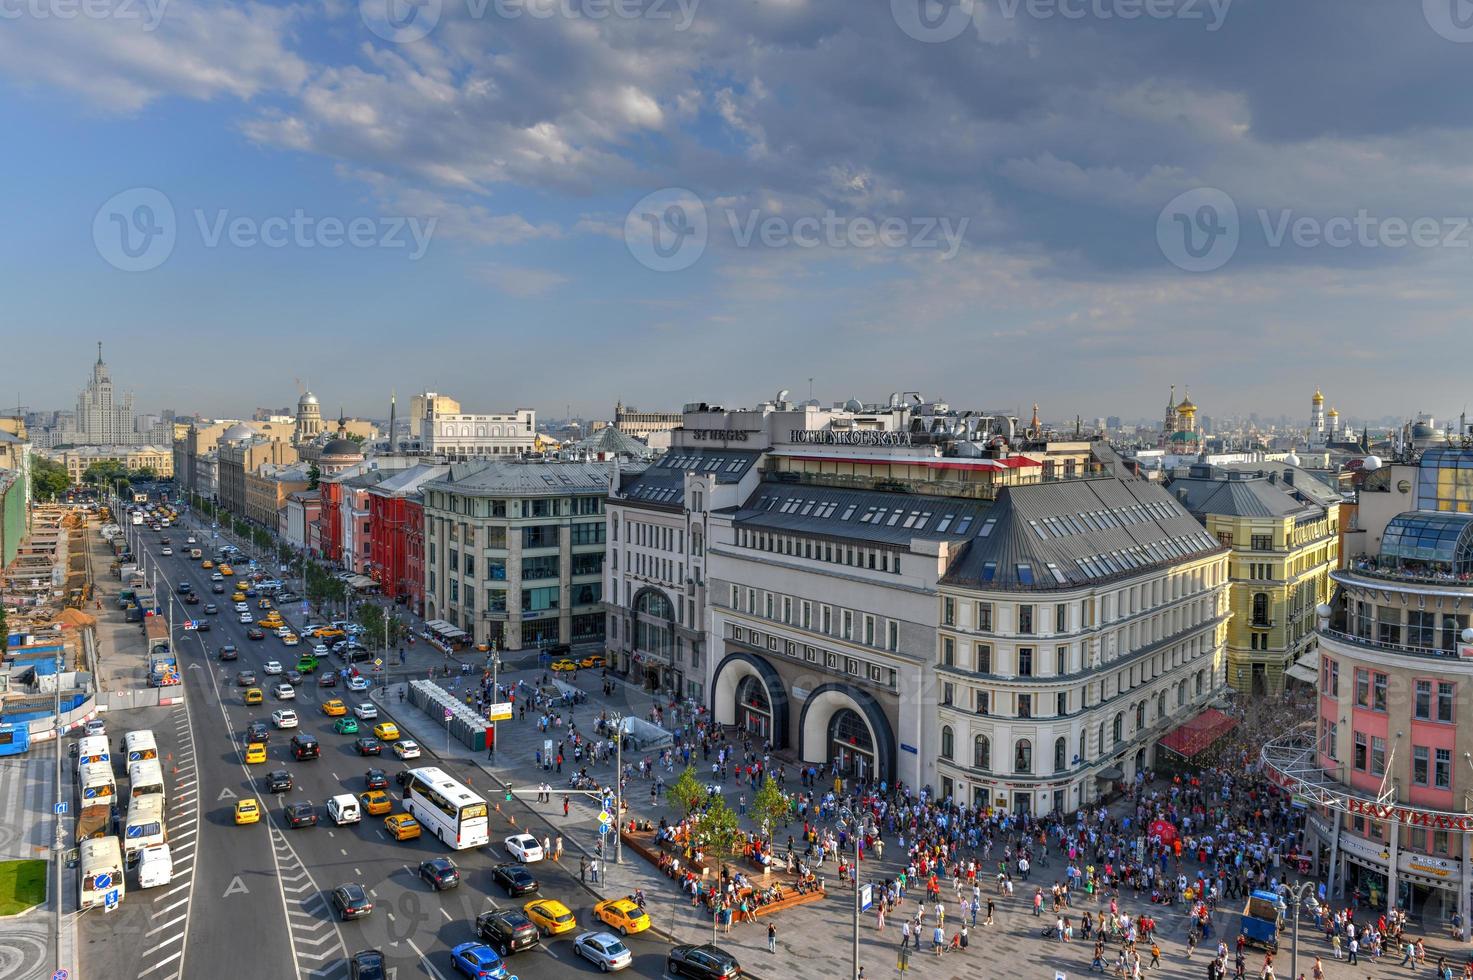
x: 1396, y: 648
x: 1372, y: 570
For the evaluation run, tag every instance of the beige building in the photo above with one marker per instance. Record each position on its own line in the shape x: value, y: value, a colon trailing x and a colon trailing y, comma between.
x: 632, y: 422
x: 240, y: 454
x: 268, y: 488
x: 200, y: 439
x: 76, y: 460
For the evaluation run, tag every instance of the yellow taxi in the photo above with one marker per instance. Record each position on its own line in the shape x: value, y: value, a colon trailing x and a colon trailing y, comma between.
x: 329, y: 633
x: 334, y: 708
x: 564, y: 665
x: 255, y: 752
x: 271, y: 622
x: 264, y: 602
x: 591, y: 662
x: 376, y: 802
x: 226, y: 570
x: 248, y: 811
x: 402, y: 826
x: 238, y: 597
x: 550, y: 916
x: 253, y: 695
x: 206, y: 564
x: 622, y: 914
x: 290, y: 640
x: 386, y: 731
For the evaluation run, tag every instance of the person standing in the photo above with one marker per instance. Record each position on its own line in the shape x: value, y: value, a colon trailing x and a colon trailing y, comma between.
x: 593, y: 871
x: 771, y: 937
x: 905, y: 934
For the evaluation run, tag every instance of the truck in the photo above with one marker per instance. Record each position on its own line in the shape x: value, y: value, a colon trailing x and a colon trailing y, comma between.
x: 155, y: 866
x: 1262, y: 916
x: 163, y: 668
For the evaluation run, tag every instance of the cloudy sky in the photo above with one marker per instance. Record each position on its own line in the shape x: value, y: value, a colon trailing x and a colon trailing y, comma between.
x: 566, y: 202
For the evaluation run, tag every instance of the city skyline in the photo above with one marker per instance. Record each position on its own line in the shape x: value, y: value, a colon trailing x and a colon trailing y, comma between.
x: 1039, y: 183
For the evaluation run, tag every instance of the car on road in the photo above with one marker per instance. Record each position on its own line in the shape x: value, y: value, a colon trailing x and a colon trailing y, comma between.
x: 255, y: 752
x: 402, y: 826
x: 334, y: 708
x: 308, y: 663
x: 271, y: 668
x: 351, y: 901
x: 278, y: 781
x: 441, y: 873
x: 305, y: 746
x: 211, y: 609
x: 524, y: 847
x: 294, y: 678
x: 257, y: 731
x: 300, y: 815
x: 207, y: 565
x: 245, y: 617
x: 622, y: 914
x: 217, y: 577
x: 228, y: 652
x: 217, y: 589
x: 550, y: 916
x: 247, y: 811
x: 290, y: 640
x: 96, y: 726
x: 603, y: 950
x: 365, y: 711
x: 327, y: 679
x: 386, y: 730
x: 514, y: 879
x: 477, y: 960
x: 376, y: 779
x: 245, y: 678
x: 346, y: 726
x: 358, y: 683
x: 376, y: 802
x: 203, y: 625
x: 507, y: 931
x: 406, y: 749
x: 366, y: 964
x: 319, y: 650
x: 563, y: 665
x: 226, y: 570
x: 368, y: 745
x: 591, y: 662
x: 284, y: 718
x: 253, y: 695
x: 192, y: 599
x: 281, y: 631
x: 706, y: 962
x: 255, y: 634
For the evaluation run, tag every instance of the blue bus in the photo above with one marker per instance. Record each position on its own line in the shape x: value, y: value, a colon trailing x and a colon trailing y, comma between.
x: 14, y: 739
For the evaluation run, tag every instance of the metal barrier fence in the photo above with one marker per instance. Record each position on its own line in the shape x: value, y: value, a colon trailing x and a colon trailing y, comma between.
x: 449, y: 711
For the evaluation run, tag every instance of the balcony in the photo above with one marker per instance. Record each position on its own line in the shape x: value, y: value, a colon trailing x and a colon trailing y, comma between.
x: 1399, y: 649
x: 1401, y: 572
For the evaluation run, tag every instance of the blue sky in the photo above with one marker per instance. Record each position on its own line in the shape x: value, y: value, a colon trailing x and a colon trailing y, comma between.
x: 1079, y: 207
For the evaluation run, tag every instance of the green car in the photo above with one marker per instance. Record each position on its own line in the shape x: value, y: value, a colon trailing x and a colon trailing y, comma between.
x: 346, y: 726
x: 306, y: 664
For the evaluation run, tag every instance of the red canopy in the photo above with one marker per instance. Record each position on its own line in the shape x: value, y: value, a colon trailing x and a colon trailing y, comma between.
x: 1189, y: 739
x: 1164, y: 830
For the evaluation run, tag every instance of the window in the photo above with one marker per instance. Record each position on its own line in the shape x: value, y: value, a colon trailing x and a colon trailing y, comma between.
x: 847, y: 618
x: 892, y: 635
x: 1445, y: 691
x: 541, y: 566
x: 579, y: 534
x: 948, y: 611
x: 981, y: 753
x: 1378, y: 691
x: 1061, y: 754
x: 1378, y: 756
x: 1025, y: 661
x: 536, y: 600
x: 1023, y: 756
x: 948, y: 747
x: 1362, y: 687
x: 869, y: 631
x: 948, y: 652
x: 1025, y: 706
x: 1421, y: 627
x: 496, y: 600
x: 1361, y: 750
x: 1263, y: 542
x: 984, y: 617
x: 1061, y: 661
x: 1442, y: 769
x: 1422, y: 700
x: 984, y: 702
x: 1061, y: 703
x: 1061, y: 618
x: 589, y: 563
x: 1421, y: 764
x: 1025, y: 619
x: 984, y: 658
x: 1329, y: 732
x: 470, y: 565
x: 1330, y: 677
x: 1260, y: 609
x: 826, y: 619
x: 541, y: 536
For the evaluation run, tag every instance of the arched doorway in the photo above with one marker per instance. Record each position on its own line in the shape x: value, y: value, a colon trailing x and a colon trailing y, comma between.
x: 730, y: 692
x: 754, y: 708
x: 654, y: 640
x: 851, y: 750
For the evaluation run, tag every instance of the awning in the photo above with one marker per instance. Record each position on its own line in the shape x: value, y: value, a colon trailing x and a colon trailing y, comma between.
x: 1110, y: 773
x: 360, y: 582
x: 1306, y: 668
x: 1190, y: 739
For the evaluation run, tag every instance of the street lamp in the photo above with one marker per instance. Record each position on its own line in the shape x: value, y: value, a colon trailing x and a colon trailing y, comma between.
x: 1299, y: 895
x: 617, y: 719
x: 854, y: 822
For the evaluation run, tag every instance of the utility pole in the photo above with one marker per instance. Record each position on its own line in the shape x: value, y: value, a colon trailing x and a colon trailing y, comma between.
x: 1298, y: 894
x: 618, y: 720
x: 495, y: 689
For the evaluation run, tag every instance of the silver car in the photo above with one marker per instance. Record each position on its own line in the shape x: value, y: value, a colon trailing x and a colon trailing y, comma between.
x: 603, y: 949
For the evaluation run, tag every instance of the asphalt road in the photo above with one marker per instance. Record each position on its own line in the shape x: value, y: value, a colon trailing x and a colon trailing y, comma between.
x: 261, y: 890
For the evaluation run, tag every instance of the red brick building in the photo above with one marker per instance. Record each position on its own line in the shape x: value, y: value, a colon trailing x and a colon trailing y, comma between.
x: 396, y: 532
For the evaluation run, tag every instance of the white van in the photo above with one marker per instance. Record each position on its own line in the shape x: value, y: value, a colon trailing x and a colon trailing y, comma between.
x: 100, y: 864
x: 145, y: 824
x: 155, y: 866
x: 140, y: 745
x: 145, y: 778
x: 343, y: 809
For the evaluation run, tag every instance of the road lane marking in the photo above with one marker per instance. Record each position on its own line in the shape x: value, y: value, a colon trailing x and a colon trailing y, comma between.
x: 446, y: 915
x: 167, y: 942
x: 430, y: 967
x: 162, y: 963
x: 160, y: 928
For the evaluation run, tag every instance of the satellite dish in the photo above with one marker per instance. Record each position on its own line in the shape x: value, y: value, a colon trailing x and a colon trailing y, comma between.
x: 853, y: 405
x: 1371, y: 463
x: 1323, y: 611
x: 782, y: 395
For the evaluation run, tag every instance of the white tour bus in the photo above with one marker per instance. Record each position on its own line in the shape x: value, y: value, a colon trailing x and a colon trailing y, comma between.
x: 101, y: 863
x: 96, y: 785
x: 145, y: 778
x: 446, y: 808
x: 140, y: 745
x: 92, y: 748
x: 145, y: 824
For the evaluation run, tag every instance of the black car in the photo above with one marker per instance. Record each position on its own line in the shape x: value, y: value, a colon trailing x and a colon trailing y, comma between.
x: 355, y: 654
x: 507, y: 931
x: 255, y: 634
x: 300, y: 815
x: 706, y: 962
x: 376, y: 779
x: 294, y: 678
x: 218, y: 589
x: 368, y: 745
x: 192, y: 599
x: 327, y: 679
x: 440, y: 872
x: 203, y: 625
x: 228, y: 652
x: 351, y: 901
x: 366, y: 964
x: 278, y: 781
x: 185, y: 588
x: 305, y: 746
x: 244, y: 678
x: 257, y: 731
x: 514, y: 878
x: 211, y: 609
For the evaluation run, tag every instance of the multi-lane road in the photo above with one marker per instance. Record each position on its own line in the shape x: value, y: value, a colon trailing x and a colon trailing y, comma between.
x: 254, y: 899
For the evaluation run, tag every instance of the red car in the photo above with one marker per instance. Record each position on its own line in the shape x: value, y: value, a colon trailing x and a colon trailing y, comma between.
x: 328, y: 679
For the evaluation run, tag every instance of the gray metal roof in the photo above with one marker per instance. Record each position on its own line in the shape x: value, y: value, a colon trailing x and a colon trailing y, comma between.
x: 1246, y: 493
x: 530, y: 478
x: 610, y: 440
x: 663, y: 482
x: 1070, y: 533
x: 874, y: 516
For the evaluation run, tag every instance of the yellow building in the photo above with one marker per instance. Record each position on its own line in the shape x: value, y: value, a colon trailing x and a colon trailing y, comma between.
x: 1283, y: 526
x: 76, y: 460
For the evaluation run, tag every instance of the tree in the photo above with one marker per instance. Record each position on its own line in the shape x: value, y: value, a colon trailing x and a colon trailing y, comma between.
x: 144, y: 474
x: 314, y: 477
x: 105, y: 472
x: 261, y: 537
x: 49, y: 478
x: 687, y: 793
x: 718, y: 832
x: 770, y: 807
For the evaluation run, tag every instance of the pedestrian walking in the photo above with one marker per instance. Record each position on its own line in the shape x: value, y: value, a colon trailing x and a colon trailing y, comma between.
x: 593, y: 871
x: 771, y: 937
x: 905, y: 934
x: 583, y: 868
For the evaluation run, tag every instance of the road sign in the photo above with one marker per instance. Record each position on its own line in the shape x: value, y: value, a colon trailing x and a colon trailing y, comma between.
x: 378, y: 661
x: 500, y: 711
x: 605, y: 817
x: 448, y: 714
x: 59, y: 808
x: 136, y: 831
x: 191, y: 624
x: 102, y: 881
x: 60, y: 975
x: 110, y: 900
x: 866, y: 897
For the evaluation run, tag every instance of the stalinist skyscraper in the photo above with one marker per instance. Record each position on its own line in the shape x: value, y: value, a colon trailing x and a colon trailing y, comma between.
x: 104, y: 418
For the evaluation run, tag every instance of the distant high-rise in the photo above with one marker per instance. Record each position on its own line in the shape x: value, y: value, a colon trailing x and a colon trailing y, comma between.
x: 104, y: 418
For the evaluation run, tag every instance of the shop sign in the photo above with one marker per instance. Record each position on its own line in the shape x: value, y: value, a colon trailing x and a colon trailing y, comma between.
x: 800, y: 693
x: 1366, y: 850
x: 1426, y: 864
x: 719, y: 435
x: 857, y: 437
x: 1408, y: 816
